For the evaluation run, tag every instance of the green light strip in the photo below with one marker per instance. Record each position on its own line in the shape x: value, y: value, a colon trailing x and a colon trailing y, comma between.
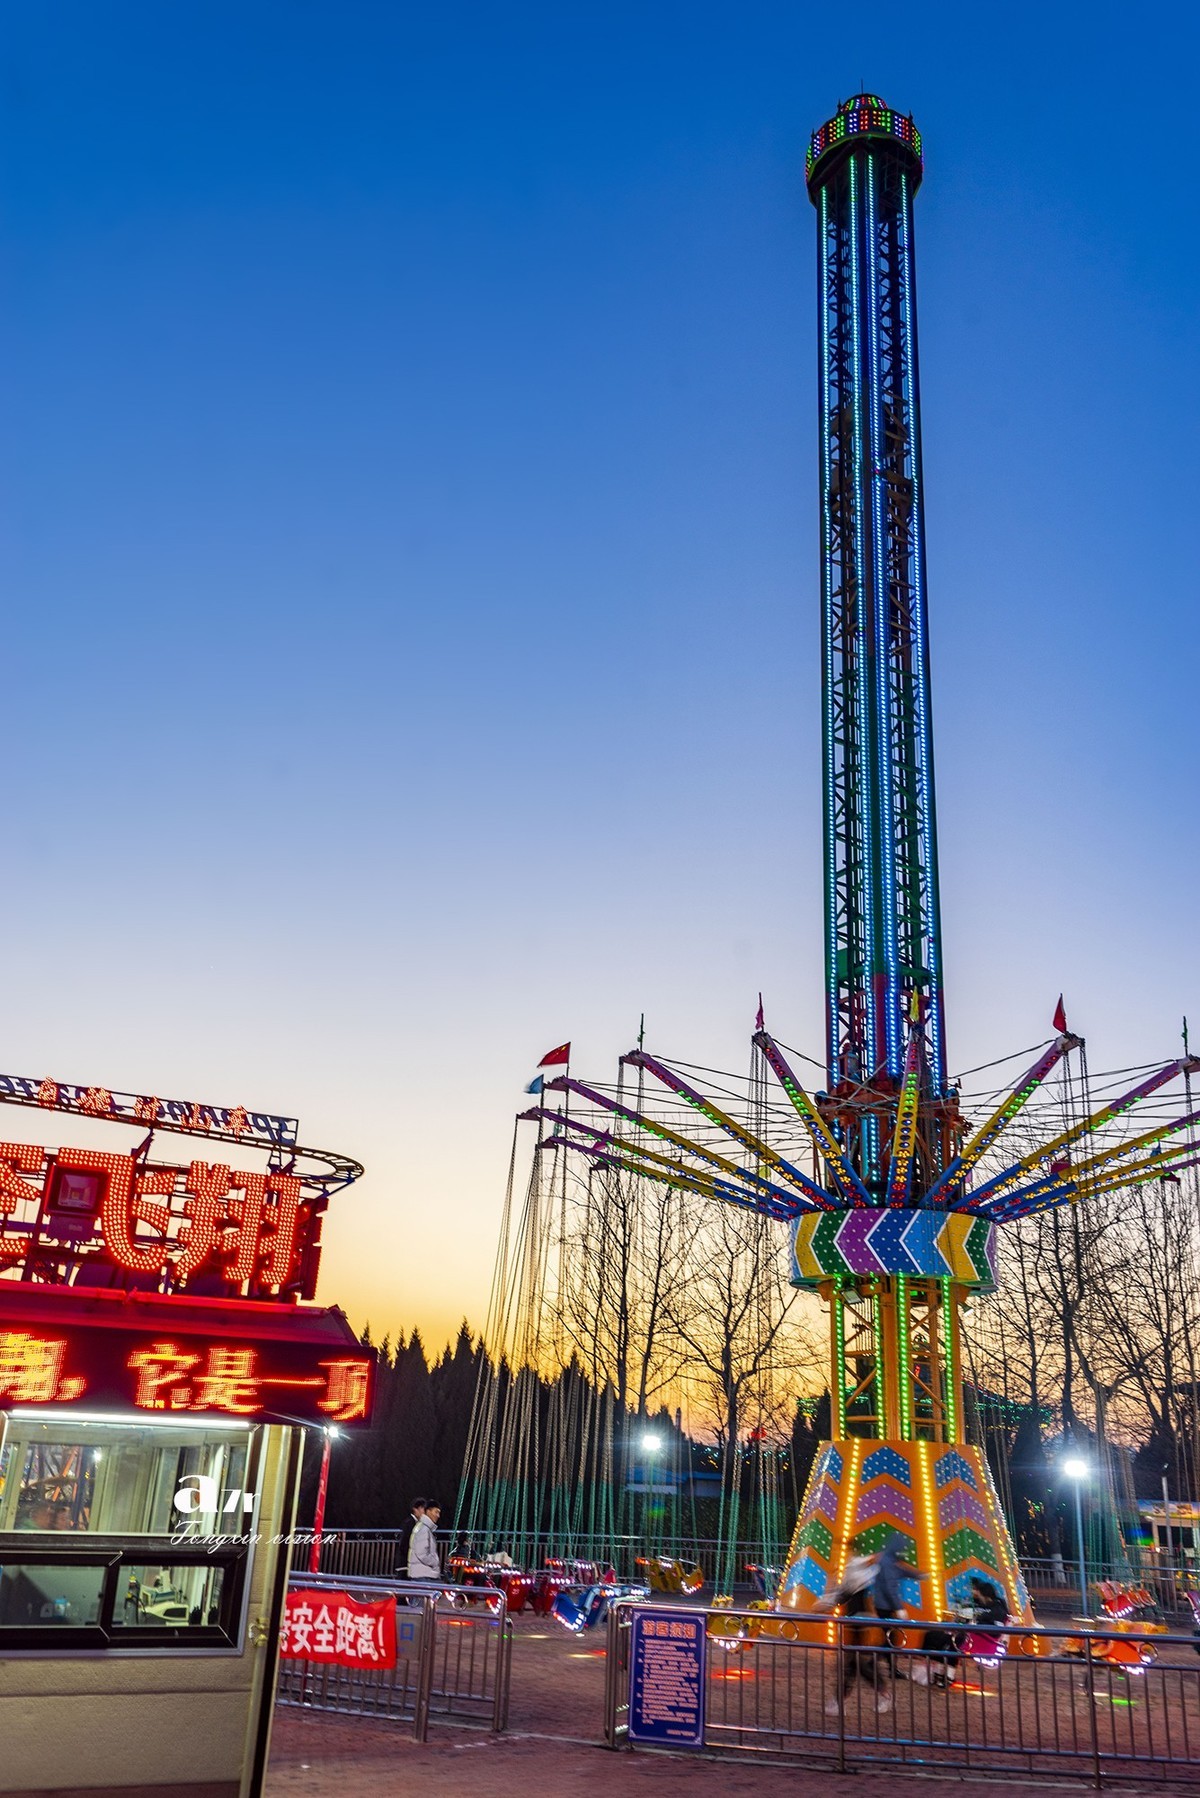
x: 906, y: 1421
x: 839, y: 1353
x: 951, y: 1368
x: 877, y: 1328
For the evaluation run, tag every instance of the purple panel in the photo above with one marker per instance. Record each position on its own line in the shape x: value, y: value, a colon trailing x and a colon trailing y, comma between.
x: 827, y: 1503
x: 851, y: 1242
x: 885, y: 1501
x: 963, y: 1507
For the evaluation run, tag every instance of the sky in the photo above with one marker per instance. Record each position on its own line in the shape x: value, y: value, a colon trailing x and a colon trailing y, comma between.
x: 409, y: 564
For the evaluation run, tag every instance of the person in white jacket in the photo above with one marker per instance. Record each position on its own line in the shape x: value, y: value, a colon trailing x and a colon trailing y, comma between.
x: 423, y: 1560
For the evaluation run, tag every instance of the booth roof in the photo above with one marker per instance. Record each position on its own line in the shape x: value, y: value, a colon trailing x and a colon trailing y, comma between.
x: 25, y: 1305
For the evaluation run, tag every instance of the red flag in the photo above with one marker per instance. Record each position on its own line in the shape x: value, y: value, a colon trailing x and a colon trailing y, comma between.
x: 758, y: 1022
x: 557, y: 1058
x: 1060, y: 1016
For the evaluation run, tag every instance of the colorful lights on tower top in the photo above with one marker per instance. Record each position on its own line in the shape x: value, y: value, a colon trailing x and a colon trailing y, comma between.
x: 865, y: 115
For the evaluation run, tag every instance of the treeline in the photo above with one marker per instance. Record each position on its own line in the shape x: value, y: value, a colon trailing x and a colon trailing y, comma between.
x: 419, y: 1439
x: 417, y: 1442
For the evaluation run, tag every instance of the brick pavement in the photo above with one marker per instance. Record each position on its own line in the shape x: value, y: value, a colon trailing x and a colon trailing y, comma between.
x: 552, y: 1750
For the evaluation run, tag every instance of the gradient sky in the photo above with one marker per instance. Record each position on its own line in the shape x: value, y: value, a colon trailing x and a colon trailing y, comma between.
x: 409, y: 559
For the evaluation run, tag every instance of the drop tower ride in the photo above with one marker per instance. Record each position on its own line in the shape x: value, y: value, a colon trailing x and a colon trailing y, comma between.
x: 894, y: 1300
x: 894, y: 1195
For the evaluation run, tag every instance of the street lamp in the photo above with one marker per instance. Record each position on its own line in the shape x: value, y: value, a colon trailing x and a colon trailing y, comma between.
x: 314, y: 1553
x: 1077, y: 1470
x: 651, y: 1443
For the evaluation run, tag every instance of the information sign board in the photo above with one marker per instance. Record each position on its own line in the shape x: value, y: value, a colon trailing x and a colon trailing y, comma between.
x: 666, y: 1677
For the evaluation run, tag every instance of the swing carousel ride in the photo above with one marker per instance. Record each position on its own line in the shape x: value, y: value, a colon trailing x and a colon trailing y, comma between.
x: 893, y: 1188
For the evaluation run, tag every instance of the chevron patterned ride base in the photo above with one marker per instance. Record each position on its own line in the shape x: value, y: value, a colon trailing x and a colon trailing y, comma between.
x: 938, y: 1496
x: 939, y: 1244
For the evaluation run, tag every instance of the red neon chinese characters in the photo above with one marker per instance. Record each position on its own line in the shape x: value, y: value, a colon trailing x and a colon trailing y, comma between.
x: 228, y: 1382
x: 348, y: 1390
x: 123, y: 1206
x: 31, y: 1370
x: 27, y: 1157
x: 168, y: 1379
x: 146, y: 1110
x: 48, y: 1093
x: 96, y: 1101
x: 239, y: 1225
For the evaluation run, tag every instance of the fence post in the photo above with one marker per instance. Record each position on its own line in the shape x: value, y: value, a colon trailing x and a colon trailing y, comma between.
x: 612, y: 1625
x: 425, y: 1667
x: 839, y: 1674
x: 1091, y: 1692
x: 503, y: 1664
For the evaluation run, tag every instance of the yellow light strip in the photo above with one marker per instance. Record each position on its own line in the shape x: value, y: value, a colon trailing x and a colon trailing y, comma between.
x: 849, y: 1506
x: 933, y: 1536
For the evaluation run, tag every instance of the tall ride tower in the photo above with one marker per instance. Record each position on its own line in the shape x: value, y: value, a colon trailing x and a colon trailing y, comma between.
x: 882, y: 924
x: 894, y: 1196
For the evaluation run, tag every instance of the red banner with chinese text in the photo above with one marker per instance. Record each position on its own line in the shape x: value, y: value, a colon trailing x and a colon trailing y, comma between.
x: 336, y: 1630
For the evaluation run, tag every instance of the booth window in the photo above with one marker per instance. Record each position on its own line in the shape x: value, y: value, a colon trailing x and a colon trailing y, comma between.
x: 115, y: 1598
x: 123, y: 1479
x: 124, y: 1533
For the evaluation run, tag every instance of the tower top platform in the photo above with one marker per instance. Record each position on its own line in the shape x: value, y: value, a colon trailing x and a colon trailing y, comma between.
x: 863, y: 115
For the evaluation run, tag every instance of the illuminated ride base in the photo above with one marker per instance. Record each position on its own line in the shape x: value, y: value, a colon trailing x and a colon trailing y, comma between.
x: 899, y: 1461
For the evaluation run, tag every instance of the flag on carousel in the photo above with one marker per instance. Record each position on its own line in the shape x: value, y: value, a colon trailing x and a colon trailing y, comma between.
x: 1060, y: 1016
x: 557, y: 1058
x: 535, y: 1085
x: 758, y: 1022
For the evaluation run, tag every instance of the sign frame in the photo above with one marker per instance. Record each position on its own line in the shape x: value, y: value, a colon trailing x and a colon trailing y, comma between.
x: 668, y: 1644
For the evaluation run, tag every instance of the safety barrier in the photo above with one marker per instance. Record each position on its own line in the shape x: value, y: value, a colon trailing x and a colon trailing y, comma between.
x: 1053, y: 1582
x: 453, y: 1658
x: 1057, y: 1704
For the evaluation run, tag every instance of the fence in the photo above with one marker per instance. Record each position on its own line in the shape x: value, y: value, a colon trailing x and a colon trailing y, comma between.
x: 1049, y: 1713
x: 453, y: 1658
x: 1054, y: 1582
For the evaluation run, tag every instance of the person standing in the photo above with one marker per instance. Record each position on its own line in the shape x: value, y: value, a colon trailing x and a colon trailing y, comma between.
x: 423, y: 1562
x: 416, y: 1511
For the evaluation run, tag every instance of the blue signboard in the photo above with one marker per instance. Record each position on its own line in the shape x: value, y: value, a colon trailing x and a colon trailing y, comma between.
x: 666, y: 1678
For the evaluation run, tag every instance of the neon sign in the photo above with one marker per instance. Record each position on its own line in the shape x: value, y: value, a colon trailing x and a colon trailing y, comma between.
x: 254, y: 1231
x: 310, y: 1381
x: 144, y: 1108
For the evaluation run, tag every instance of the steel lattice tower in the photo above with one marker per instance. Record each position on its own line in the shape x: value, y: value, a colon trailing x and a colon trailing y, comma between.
x: 882, y: 926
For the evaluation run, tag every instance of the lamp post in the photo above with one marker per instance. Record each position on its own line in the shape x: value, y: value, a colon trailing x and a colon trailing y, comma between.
x: 650, y: 1447
x: 1076, y: 1470
x: 314, y: 1553
x: 1168, y: 1545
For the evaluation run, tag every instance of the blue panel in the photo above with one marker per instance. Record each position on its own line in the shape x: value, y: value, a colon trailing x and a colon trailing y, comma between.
x: 951, y: 1466
x: 811, y: 1575
x: 886, y: 1460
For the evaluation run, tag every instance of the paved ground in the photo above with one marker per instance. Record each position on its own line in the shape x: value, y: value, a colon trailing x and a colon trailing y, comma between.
x: 551, y: 1750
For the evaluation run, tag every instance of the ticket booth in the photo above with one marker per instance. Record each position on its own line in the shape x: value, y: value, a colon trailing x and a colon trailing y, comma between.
x: 161, y: 1358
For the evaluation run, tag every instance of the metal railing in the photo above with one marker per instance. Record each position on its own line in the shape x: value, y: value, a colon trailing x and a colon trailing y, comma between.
x: 453, y: 1658
x: 371, y: 1554
x: 1042, y: 1710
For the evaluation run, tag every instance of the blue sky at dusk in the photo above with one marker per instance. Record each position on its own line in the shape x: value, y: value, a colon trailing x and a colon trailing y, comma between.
x: 408, y: 527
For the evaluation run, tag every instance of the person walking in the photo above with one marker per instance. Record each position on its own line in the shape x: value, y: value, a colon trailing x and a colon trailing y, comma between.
x: 423, y: 1562
x: 416, y: 1511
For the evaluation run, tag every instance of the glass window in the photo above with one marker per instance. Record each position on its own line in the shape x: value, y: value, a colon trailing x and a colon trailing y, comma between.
x: 35, y: 1597
x: 168, y: 1596
x: 63, y: 1475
